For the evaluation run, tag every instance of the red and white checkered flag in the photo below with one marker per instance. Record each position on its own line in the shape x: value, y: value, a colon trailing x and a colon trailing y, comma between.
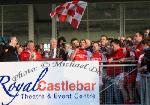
x: 71, y: 12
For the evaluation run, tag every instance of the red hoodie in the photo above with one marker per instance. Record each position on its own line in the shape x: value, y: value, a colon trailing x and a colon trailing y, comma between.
x: 138, y: 51
x: 113, y: 71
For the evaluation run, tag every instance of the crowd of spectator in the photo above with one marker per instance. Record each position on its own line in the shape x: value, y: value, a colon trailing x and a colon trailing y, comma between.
x: 106, y: 50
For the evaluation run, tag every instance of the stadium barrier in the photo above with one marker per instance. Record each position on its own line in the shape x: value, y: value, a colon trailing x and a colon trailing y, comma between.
x: 145, y: 90
x: 119, y: 86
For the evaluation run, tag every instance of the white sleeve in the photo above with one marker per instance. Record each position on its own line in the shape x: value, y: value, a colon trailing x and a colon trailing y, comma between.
x: 70, y: 52
x: 140, y: 59
x: 132, y: 54
x: 89, y: 54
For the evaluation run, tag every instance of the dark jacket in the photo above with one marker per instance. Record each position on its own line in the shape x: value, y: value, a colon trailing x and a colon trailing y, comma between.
x: 10, y: 54
x: 1, y: 52
x: 60, y: 53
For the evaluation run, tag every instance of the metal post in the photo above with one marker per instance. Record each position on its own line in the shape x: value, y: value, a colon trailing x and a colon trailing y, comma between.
x: 122, y: 21
x: 54, y: 24
x: 147, y: 91
x: 148, y: 85
x: 2, y: 21
x: 88, y: 31
x: 143, y: 90
x: 30, y: 22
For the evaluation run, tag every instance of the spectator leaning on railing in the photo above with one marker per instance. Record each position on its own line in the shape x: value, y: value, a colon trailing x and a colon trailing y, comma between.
x: 142, y: 65
x: 130, y: 73
x: 144, y: 57
x: 138, y: 37
x: 113, y: 73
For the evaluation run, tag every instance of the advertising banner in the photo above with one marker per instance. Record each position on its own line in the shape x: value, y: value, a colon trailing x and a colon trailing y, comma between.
x: 49, y: 83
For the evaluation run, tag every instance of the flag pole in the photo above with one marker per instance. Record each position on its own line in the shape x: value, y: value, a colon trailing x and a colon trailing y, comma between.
x: 54, y: 24
x: 2, y: 21
x: 88, y: 31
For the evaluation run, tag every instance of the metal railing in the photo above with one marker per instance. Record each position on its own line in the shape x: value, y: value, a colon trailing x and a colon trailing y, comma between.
x: 119, y: 84
x: 145, y: 89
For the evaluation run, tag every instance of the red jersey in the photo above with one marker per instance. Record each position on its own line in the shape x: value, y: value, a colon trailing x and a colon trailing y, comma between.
x: 113, y: 71
x: 27, y: 55
x: 118, y: 54
x: 96, y: 56
x: 81, y: 55
x: 138, y: 51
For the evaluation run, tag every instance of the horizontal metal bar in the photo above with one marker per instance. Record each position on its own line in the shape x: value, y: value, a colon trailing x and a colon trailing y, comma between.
x: 101, y: 20
x: 17, y: 2
x: 120, y: 104
x: 138, y: 19
x: 146, y: 75
x: 130, y: 19
x: 118, y: 61
x: 14, y: 5
x: 118, y: 65
x: 13, y: 22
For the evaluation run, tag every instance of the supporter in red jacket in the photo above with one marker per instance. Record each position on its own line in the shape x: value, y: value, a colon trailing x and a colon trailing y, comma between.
x: 138, y: 47
x: 30, y: 54
x: 80, y: 53
x: 117, y: 54
x: 114, y: 74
